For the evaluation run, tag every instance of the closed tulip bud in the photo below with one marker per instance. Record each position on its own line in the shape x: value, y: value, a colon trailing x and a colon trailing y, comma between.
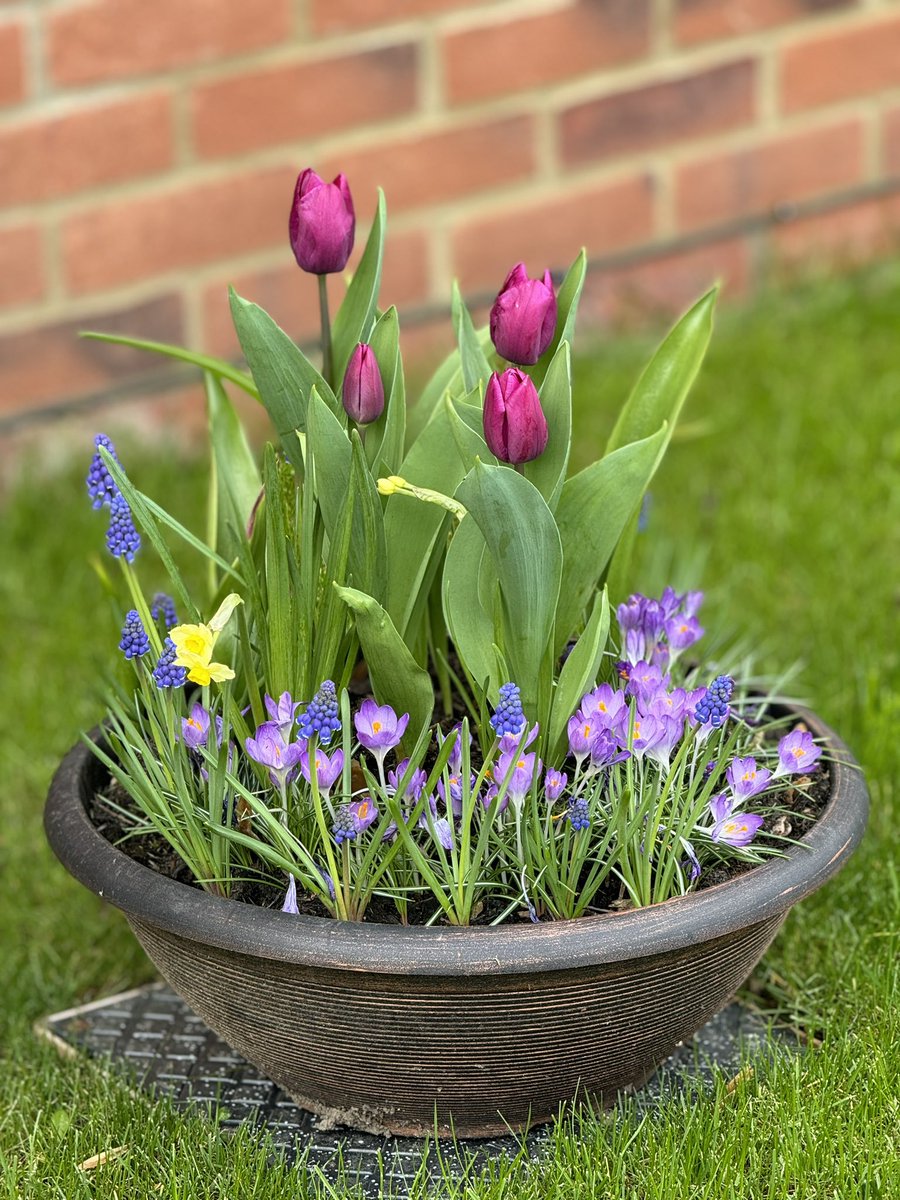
x: 515, y: 427
x: 322, y: 224
x: 363, y: 390
x: 523, y: 318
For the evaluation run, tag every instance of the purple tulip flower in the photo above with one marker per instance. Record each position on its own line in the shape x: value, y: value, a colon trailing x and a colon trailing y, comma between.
x: 515, y: 427
x: 523, y: 318
x: 797, y: 752
x: 745, y: 778
x: 362, y: 392
x: 322, y: 224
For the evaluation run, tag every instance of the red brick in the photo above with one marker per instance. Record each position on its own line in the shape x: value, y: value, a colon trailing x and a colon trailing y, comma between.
x: 303, y: 100
x: 550, y: 233
x: 853, y: 61
x: 518, y: 55
x: 291, y: 298
x: 21, y: 266
x: 115, y: 39
x: 844, y: 236
x: 337, y: 16
x: 738, y: 183
x: 140, y: 237
x: 664, y: 286
x: 56, y: 156
x: 703, y: 20
x: 658, y: 114
x: 439, y: 167
x: 12, y: 62
x: 52, y: 364
x: 891, y: 138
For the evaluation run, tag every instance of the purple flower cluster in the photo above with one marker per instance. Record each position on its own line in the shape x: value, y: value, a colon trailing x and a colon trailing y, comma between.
x: 162, y: 608
x: 166, y: 674
x: 508, y: 716
x: 657, y: 631
x: 134, y: 643
x: 321, y: 715
x: 122, y: 539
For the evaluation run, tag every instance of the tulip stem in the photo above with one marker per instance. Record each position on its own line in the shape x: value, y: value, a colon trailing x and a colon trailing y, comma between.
x: 327, y: 365
x: 520, y: 467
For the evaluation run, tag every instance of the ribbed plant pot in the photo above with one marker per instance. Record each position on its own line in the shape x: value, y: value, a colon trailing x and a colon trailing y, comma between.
x: 408, y: 1030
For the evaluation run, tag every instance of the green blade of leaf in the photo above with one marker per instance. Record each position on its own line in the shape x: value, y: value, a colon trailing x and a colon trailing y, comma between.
x: 567, y: 299
x: 397, y: 679
x: 579, y: 672
x: 475, y: 367
x: 353, y: 320
x: 236, y: 475
x: 217, y: 366
x: 469, y: 622
x: 385, y: 437
x: 548, y: 471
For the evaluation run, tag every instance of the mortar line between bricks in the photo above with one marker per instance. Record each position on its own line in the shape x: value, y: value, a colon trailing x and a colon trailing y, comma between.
x: 164, y: 381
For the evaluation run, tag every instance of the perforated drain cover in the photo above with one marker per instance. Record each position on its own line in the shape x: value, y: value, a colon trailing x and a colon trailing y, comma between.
x: 153, y: 1035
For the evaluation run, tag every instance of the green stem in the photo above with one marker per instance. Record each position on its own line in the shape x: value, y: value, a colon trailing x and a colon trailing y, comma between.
x: 327, y: 361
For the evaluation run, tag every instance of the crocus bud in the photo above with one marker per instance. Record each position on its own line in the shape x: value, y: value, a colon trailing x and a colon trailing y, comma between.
x: 515, y: 427
x: 322, y: 223
x: 523, y: 318
x: 363, y: 390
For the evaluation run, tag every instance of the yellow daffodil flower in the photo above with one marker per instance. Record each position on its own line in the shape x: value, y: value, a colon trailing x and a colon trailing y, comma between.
x: 194, y: 645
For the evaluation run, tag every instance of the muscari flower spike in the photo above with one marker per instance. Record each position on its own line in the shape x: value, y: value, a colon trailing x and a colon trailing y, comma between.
x: 579, y: 813
x: 122, y: 539
x: 344, y: 827
x: 162, y: 608
x: 508, y: 715
x: 134, y: 643
x: 712, y: 707
x: 321, y: 716
x: 166, y: 674
x: 100, y: 484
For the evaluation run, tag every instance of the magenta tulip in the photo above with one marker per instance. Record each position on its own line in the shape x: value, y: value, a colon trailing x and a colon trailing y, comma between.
x: 515, y: 427
x: 322, y: 224
x: 523, y: 318
x: 363, y: 390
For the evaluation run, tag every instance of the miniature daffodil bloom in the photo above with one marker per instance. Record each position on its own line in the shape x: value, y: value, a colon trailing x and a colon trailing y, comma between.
x: 194, y: 646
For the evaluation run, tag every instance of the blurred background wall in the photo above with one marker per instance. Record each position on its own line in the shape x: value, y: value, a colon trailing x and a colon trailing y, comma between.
x: 148, y: 151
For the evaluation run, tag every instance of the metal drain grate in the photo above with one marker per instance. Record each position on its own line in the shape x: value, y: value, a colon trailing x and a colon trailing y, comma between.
x: 151, y: 1033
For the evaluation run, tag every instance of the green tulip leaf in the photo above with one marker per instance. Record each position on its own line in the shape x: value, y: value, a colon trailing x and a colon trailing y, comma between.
x: 548, y: 471
x: 524, y: 543
x: 475, y: 367
x: 385, y: 437
x: 215, y: 366
x: 567, y: 299
x: 397, y: 679
x: 353, y: 320
x: 234, y: 479
x: 579, y: 673
x: 469, y: 621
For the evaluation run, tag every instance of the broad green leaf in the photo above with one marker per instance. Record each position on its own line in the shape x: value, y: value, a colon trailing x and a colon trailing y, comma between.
x: 279, y: 616
x: 385, y: 437
x: 475, y: 367
x: 664, y: 383
x: 548, y: 471
x: 447, y: 380
x: 218, y: 366
x: 593, y: 510
x: 281, y: 371
x: 397, y: 679
x: 469, y: 622
x: 332, y: 453
x: 353, y: 320
x: 579, y: 671
x: 414, y: 530
x: 235, y: 483
x: 524, y: 543
x: 567, y: 299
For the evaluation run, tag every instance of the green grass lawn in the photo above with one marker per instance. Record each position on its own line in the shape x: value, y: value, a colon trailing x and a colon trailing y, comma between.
x: 782, y: 500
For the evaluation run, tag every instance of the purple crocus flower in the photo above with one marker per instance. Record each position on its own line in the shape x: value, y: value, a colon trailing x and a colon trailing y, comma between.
x: 606, y: 751
x: 283, y: 712
x: 490, y: 796
x: 441, y: 831
x: 692, y: 859
x: 607, y: 705
x: 554, y: 784
x: 745, y: 778
x: 582, y: 728
x: 682, y: 632
x: 195, y: 728
x: 511, y: 742
x: 644, y: 681
x: 452, y: 796
x: 797, y: 752
x: 379, y: 729
x: 720, y: 806
x: 363, y: 812
x: 269, y: 749
x: 523, y: 773
x: 668, y: 734
x: 737, y: 830
x: 290, y: 897
x: 668, y: 704
x: 328, y: 769
x: 414, y: 785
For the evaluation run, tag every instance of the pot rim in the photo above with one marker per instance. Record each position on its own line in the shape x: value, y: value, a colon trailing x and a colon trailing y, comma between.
x: 325, y: 943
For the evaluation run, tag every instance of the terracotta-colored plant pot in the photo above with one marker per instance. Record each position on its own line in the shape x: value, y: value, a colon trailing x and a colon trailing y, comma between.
x: 387, y: 1028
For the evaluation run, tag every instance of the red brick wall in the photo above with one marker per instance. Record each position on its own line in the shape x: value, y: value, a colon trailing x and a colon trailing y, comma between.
x: 148, y: 153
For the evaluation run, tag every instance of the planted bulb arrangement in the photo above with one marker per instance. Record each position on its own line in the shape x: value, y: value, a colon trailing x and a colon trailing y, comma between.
x: 419, y: 741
